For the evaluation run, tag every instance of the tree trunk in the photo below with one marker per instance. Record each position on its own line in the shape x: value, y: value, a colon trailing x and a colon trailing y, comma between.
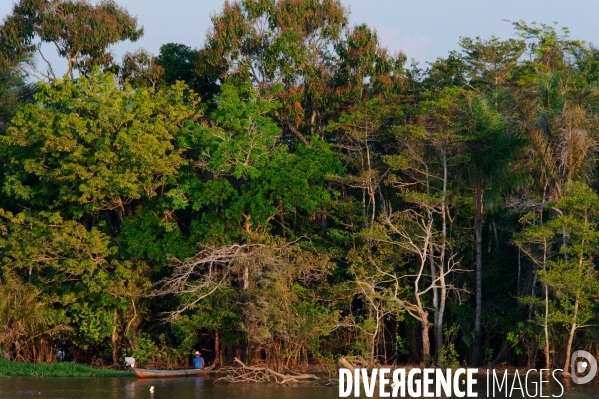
x: 546, y: 320
x: 439, y: 317
x: 478, y: 231
x: 217, y: 359
x: 130, y: 329
x: 546, y: 329
x: 532, y: 290
x: 115, y: 354
x: 372, y: 348
x: 437, y: 326
x: 426, y: 344
x: 576, y: 302
x: 246, y: 278
x: 496, y: 236
x: 489, y: 241
x: 343, y: 361
x: 571, y: 339
x: 443, y: 287
x: 519, y: 270
x: 438, y: 330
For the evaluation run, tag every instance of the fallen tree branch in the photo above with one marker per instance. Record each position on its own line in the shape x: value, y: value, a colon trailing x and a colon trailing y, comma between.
x: 289, y: 371
x: 343, y: 361
x: 261, y: 374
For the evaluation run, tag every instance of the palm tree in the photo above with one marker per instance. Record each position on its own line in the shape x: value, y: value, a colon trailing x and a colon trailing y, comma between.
x: 26, y: 320
x: 489, y: 146
x: 489, y: 143
x: 14, y: 91
x: 562, y: 125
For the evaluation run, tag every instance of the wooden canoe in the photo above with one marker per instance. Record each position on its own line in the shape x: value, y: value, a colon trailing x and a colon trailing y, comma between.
x: 148, y: 373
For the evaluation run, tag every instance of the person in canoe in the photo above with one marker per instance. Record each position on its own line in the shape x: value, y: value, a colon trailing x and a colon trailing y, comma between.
x: 198, y: 361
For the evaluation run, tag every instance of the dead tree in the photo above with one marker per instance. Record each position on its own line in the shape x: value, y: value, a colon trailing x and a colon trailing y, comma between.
x: 210, y: 269
x: 414, y: 235
x: 264, y: 277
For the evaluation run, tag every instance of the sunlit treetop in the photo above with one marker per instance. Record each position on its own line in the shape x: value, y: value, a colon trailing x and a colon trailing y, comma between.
x: 81, y: 32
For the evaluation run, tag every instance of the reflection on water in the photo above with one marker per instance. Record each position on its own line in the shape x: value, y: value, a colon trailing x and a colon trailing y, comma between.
x: 204, y: 387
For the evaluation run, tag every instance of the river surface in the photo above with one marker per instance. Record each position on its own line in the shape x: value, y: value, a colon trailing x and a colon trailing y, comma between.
x: 205, y: 387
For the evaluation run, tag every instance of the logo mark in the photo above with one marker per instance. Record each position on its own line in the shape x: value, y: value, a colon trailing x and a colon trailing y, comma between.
x: 582, y: 366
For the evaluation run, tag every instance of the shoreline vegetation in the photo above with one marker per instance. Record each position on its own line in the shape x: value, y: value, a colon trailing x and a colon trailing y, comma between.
x: 65, y: 369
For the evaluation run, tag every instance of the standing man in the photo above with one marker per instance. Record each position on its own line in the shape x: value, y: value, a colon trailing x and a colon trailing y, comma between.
x: 198, y: 361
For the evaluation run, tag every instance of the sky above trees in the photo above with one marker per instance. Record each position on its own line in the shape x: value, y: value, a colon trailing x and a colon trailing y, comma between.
x: 424, y: 30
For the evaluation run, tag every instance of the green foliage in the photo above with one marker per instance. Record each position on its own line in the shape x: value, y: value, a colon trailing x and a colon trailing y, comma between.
x: 178, y: 62
x: 22, y: 369
x: 244, y: 135
x: 256, y: 178
x: 72, y: 267
x: 152, y: 236
x: 140, y: 69
x: 92, y: 146
x: 521, y: 338
x: 46, y: 243
x: 146, y: 349
x: 448, y: 355
x: 573, y: 276
x: 551, y: 49
x: 94, y: 322
x: 279, y: 53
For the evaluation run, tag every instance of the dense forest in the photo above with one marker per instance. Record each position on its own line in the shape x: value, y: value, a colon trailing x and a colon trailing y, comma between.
x: 289, y: 192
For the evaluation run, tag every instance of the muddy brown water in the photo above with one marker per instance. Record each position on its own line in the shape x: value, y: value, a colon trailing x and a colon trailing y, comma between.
x: 205, y: 387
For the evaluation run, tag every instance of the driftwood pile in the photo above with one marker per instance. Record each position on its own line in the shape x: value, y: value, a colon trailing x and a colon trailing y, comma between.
x: 262, y: 374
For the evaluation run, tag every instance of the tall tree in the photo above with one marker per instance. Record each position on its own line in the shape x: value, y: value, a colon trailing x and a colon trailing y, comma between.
x: 80, y: 161
x: 488, y: 68
x: 432, y: 145
x: 575, y: 278
x: 278, y: 42
x: 537, y: 242
x: 81, y: 32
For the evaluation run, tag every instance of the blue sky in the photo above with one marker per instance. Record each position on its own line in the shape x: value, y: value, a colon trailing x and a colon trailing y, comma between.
x: 423, y: 29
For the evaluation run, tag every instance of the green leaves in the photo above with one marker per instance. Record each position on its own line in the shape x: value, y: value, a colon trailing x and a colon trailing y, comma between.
x: 245, y: 174
x: 177, y: 61
x: 53, y: 248
x: 93, y: 146
x: 569, y: 274
x: 243, y: 136
x: 82, y: 159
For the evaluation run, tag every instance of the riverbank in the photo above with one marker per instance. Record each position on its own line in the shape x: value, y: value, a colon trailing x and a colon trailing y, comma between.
x: 63, y: 369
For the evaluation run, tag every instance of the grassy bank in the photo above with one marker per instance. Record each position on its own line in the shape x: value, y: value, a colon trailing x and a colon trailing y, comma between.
x: 22, y: 369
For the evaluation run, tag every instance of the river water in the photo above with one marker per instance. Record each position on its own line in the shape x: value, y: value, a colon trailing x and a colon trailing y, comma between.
x: 205, y: 387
